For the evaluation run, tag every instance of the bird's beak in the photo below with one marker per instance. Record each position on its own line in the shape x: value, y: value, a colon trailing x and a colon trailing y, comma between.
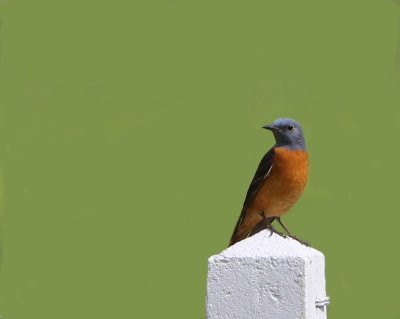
x: 271, y: 127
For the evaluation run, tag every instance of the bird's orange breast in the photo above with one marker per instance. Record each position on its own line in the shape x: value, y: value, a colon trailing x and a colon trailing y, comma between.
x: 284, y: 184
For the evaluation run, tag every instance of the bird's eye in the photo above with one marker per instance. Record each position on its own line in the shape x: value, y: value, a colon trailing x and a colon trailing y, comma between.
x: 290, y: 127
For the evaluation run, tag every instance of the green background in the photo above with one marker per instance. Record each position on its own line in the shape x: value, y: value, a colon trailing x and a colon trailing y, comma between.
x: 130, y: 130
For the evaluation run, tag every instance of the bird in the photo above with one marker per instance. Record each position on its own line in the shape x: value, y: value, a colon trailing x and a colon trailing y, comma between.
x: 278, y: 182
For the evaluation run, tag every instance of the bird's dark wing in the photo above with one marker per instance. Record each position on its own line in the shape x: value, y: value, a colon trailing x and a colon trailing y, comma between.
x: 259, y: 177
x: 261, y: 174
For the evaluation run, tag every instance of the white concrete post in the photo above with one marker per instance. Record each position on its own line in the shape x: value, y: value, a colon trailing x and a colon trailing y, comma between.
x: 267, y: 276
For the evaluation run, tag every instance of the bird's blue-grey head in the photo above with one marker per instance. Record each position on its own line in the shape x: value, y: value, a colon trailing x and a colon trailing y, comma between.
x: 288, y: 133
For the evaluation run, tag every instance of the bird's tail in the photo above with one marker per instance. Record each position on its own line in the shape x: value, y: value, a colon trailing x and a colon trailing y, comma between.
x: 243, y: 231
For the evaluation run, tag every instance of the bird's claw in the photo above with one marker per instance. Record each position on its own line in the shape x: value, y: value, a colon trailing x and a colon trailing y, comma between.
x: 273, y: 230
x: 300, y: 240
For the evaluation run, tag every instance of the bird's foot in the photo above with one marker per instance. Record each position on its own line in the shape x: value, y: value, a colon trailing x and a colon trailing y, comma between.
x: 273, y: 230
x: 299, y: 240
x: 289, y: 234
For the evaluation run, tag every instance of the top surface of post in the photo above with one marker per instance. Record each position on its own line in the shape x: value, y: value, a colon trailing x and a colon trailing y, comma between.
x: 265, y: 244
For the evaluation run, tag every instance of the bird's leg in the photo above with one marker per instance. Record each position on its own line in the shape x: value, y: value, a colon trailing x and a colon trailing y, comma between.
x: 283, y: 226
x: 273, y: 230
x: 262, y: 224
x: 270, y: 227
x: 289, y: 234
